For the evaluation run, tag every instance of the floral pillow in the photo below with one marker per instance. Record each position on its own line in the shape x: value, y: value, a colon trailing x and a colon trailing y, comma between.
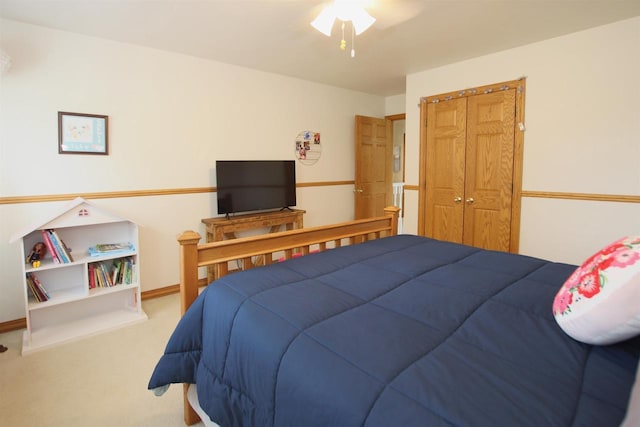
x: 600, y: 302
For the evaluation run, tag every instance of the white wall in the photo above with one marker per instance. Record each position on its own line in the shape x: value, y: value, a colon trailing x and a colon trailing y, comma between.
x: 395, y: 104
x: 170, y: 117
x: 583, y: 125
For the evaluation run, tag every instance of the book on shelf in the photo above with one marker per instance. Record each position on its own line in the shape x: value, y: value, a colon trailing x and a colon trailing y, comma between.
x: 105, y: 274
x: 117, y: 267
x: 56, y: 246
x: 125, y: 271
x: 33, y: 291
x: 40, y: 285
x: 37, y: 288
x: 49, y: 245
x: 102, y: 276
x: 111, y: 248
x: 92, y: 276
x: 67, y: 250
x: 61, y: 250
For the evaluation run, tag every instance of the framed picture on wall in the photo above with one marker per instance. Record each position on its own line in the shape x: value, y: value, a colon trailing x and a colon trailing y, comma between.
x: 80, y: 133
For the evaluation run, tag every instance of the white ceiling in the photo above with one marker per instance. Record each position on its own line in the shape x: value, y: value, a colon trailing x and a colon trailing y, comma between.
x: 275, y: 35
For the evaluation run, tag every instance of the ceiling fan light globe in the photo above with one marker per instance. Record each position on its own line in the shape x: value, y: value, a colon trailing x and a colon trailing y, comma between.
x: 344, y: 9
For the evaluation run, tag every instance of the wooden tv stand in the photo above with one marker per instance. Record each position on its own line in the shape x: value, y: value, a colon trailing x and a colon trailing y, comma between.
x: 221, y: 228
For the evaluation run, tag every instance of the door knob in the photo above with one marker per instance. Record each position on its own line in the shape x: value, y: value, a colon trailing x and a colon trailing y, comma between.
x: 360, y: 190
x: 470, y: 200
x: 457, y: 199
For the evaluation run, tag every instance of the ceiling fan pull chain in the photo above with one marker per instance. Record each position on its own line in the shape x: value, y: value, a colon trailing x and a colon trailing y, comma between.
x: 353, y: 41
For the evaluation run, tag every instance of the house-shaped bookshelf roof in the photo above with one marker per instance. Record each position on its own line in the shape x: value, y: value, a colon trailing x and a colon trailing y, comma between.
x: 75, y: 213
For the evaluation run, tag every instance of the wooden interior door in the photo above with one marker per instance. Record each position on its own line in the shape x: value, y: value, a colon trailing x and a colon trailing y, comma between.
x: 489, y: 170
x: 373, y: 166
x: 445, y: 169
x: 470, y: 168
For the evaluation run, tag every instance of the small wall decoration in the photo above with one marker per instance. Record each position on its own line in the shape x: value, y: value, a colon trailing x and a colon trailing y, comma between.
x: 308, y: 147
x: 82, y: 133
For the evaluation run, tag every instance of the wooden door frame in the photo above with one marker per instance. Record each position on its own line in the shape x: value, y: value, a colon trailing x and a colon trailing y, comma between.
x: 394, y: 118
x: 518, y: 151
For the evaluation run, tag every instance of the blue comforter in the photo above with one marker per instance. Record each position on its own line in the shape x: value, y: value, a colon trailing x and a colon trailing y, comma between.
x: 401, y: 331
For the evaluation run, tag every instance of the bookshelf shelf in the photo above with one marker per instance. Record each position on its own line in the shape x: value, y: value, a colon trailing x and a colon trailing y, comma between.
x: 67, y: 306
x: 48, y: 263
x: 108, y: 257
x: 97, y: 292
x: 69, y: 296
x: 64, y: 332
x: 44, y: 265
x: 57, y: 297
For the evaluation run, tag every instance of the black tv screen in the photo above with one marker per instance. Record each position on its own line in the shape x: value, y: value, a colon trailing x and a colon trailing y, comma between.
x: 253, y: 185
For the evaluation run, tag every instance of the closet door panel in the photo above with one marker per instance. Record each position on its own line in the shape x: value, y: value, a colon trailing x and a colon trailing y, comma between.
x: 445, y: 169
x: 489, y: 170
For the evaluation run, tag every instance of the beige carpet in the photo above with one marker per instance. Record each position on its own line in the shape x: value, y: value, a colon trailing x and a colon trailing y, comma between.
x: 97, y: 381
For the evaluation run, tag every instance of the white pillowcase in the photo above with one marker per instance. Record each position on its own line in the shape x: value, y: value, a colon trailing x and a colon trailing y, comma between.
x: 600, y: 302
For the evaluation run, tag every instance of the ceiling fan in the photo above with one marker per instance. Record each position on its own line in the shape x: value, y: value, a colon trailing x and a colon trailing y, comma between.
x: 362, y: 14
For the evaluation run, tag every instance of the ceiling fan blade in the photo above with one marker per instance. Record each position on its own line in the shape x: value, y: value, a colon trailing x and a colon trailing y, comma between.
x: 393, y: 12
x: 324, y: 21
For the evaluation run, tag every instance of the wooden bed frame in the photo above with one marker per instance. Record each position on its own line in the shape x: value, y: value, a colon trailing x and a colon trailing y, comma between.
x: 267, y: 247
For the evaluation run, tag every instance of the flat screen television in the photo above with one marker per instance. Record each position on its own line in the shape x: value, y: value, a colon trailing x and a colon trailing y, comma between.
x: 254, y: 185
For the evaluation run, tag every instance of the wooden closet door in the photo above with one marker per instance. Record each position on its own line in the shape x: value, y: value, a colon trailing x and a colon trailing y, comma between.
x: 445, y: 169
x: 489, y: 170
x: 478, y: 124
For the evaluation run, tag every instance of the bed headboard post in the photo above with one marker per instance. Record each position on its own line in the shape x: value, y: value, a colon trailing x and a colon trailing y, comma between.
x: 188, y: 293
x: 393, y: 212
x: 188, y: 268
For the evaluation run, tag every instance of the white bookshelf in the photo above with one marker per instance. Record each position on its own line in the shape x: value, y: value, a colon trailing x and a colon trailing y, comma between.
x: 73, y: 310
